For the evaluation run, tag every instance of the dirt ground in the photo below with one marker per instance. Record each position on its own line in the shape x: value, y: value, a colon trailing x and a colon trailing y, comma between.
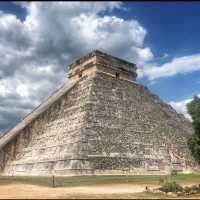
x: 39, y: 192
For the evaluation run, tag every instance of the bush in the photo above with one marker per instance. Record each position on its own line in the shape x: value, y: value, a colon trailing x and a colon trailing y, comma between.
x: 170, y: 186
x: 161, y: 181
x: 174, y: 173
x: 179, y: 188
x: 187, y: 189
x: 195, y: 188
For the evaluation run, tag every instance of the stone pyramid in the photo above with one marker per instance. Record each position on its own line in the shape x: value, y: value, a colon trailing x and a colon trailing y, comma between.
x: 102, y: 122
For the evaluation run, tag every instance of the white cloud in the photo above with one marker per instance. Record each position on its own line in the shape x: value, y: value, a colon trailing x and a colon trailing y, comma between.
x: 180, y: 106
x: 181, y: 65
x: 34, y: 53
x: 165, y: 55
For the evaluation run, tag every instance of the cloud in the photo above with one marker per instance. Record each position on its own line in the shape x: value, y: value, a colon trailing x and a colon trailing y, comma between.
x: 35, y: 52
x: 180, y: 106
x: 165, y: 55
x: 181, y: 65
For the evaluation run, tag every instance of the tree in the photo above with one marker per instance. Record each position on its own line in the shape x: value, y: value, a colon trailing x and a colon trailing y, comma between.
x: 194, y: 140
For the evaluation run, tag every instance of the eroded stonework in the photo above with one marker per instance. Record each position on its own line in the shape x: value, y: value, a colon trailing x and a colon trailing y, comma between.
x: 105, y: 124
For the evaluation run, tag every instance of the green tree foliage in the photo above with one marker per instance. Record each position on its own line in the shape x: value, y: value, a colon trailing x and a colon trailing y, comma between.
x: 194, y: 140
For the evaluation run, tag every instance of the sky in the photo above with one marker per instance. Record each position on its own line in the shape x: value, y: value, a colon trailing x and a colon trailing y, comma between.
x: 38, y: 40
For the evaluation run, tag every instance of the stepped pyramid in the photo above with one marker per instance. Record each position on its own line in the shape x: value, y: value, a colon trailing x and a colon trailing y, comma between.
x: 101, y: 122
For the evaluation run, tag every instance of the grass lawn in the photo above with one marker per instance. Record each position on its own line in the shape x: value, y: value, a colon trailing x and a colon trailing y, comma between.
x: 94, y: 180
x: 138, y: 180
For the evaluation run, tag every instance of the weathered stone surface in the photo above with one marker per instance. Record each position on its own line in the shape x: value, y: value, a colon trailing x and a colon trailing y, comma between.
x: 105, y: 124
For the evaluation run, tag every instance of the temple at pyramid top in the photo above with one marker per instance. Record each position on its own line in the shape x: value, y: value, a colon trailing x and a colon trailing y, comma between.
x: 99, y: 61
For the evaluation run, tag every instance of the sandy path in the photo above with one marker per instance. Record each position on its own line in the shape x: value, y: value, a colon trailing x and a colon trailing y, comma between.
x: 33, y: 191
